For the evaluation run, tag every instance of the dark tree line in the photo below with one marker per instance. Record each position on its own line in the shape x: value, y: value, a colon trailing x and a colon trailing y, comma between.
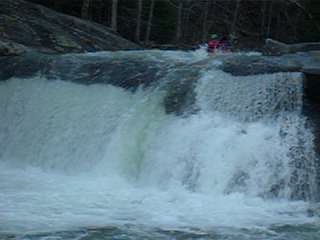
x: 189, y: 22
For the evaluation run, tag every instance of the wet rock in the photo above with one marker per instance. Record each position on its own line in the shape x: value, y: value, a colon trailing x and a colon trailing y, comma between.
x: 274, y: 47
x: 44, y: 30
x: 8, y: 48
x: 181, y: 96
x: 251, y: 65
x: 25, y: 65
x: 311, y: 70
x: 129, y: 73
x: 127, y: 70
x: 244, y: 65
x: 312, y: 87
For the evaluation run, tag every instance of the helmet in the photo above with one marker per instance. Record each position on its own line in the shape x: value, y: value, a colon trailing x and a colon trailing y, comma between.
x: 214, y: 36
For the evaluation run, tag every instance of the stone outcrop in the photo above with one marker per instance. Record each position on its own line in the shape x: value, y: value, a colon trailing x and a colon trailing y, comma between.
x: 128, y: 69
x: 38, y: 28
x: 273, y: 47
x: 125, y: 69
x: 242, y: 65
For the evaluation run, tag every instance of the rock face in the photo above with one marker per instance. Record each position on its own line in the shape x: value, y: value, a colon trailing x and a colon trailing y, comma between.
x: 305, y: 62
x: 243, y: 65
x: 125, y: 69
x: 44, y: 30
x: 274, y: 47
x: 8, y: 48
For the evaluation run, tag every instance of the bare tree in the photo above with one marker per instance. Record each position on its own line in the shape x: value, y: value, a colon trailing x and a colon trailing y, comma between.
x: 193, y: 19
x: 206, y: 5
x: 300, y: 5
x: 179, y: 21
x: 270, y: 19
x: 138, y: 27
x: 149, y: 24
x: 114, y: 15
x: 235, y: 18
x: 85, y: 9
x: 263, y: 17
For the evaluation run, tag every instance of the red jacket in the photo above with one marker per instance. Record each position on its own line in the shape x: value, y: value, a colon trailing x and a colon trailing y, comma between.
x: 214, y: 43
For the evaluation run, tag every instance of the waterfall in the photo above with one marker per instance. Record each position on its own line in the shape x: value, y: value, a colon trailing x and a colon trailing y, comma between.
x: 83, y: 155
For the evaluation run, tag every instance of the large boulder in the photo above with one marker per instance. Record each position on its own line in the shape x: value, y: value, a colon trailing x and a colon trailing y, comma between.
x: 124, y: 69
x: 273, y: 47
x: 44, y: 30
x: 243, y: 65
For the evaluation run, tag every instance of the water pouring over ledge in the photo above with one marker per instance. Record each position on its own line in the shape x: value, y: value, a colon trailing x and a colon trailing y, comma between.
x: 236, y: 154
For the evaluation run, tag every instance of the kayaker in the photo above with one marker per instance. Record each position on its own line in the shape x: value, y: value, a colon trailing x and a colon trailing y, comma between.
x: 218, y: 43
x: 213, y: 43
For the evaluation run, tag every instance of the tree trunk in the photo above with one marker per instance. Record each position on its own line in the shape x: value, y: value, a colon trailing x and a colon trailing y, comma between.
x: 114, y: 15
x: 138, y: 27
x: 206, y: 5
x: 263, y: 18
x: 107, y: 14
x: 56, y: 5
x: 149, y: 25
x: 235, y: 18
x: 179, y: 22
x: 85, y: 9
x: 270, y: 19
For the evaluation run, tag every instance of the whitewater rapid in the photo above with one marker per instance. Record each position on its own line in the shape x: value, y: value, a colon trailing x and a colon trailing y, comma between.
x: 76, y: 156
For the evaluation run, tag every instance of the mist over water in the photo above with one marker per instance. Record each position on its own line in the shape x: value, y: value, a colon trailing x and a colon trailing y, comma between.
x: 76, y: 156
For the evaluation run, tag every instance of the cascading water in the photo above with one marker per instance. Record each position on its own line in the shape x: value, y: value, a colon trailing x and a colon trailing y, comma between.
x: 76, y: 156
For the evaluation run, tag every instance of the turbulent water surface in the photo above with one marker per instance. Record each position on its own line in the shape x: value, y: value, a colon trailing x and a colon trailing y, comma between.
x: 101, y: 162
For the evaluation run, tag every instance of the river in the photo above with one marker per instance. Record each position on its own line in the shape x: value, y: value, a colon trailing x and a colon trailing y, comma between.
x: 103, y: 162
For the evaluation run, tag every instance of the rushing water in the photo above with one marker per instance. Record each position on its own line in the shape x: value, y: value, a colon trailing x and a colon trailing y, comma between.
x: 101, y: 162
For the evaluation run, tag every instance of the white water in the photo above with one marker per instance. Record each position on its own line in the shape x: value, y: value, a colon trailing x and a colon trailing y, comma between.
x: 81, y: 156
